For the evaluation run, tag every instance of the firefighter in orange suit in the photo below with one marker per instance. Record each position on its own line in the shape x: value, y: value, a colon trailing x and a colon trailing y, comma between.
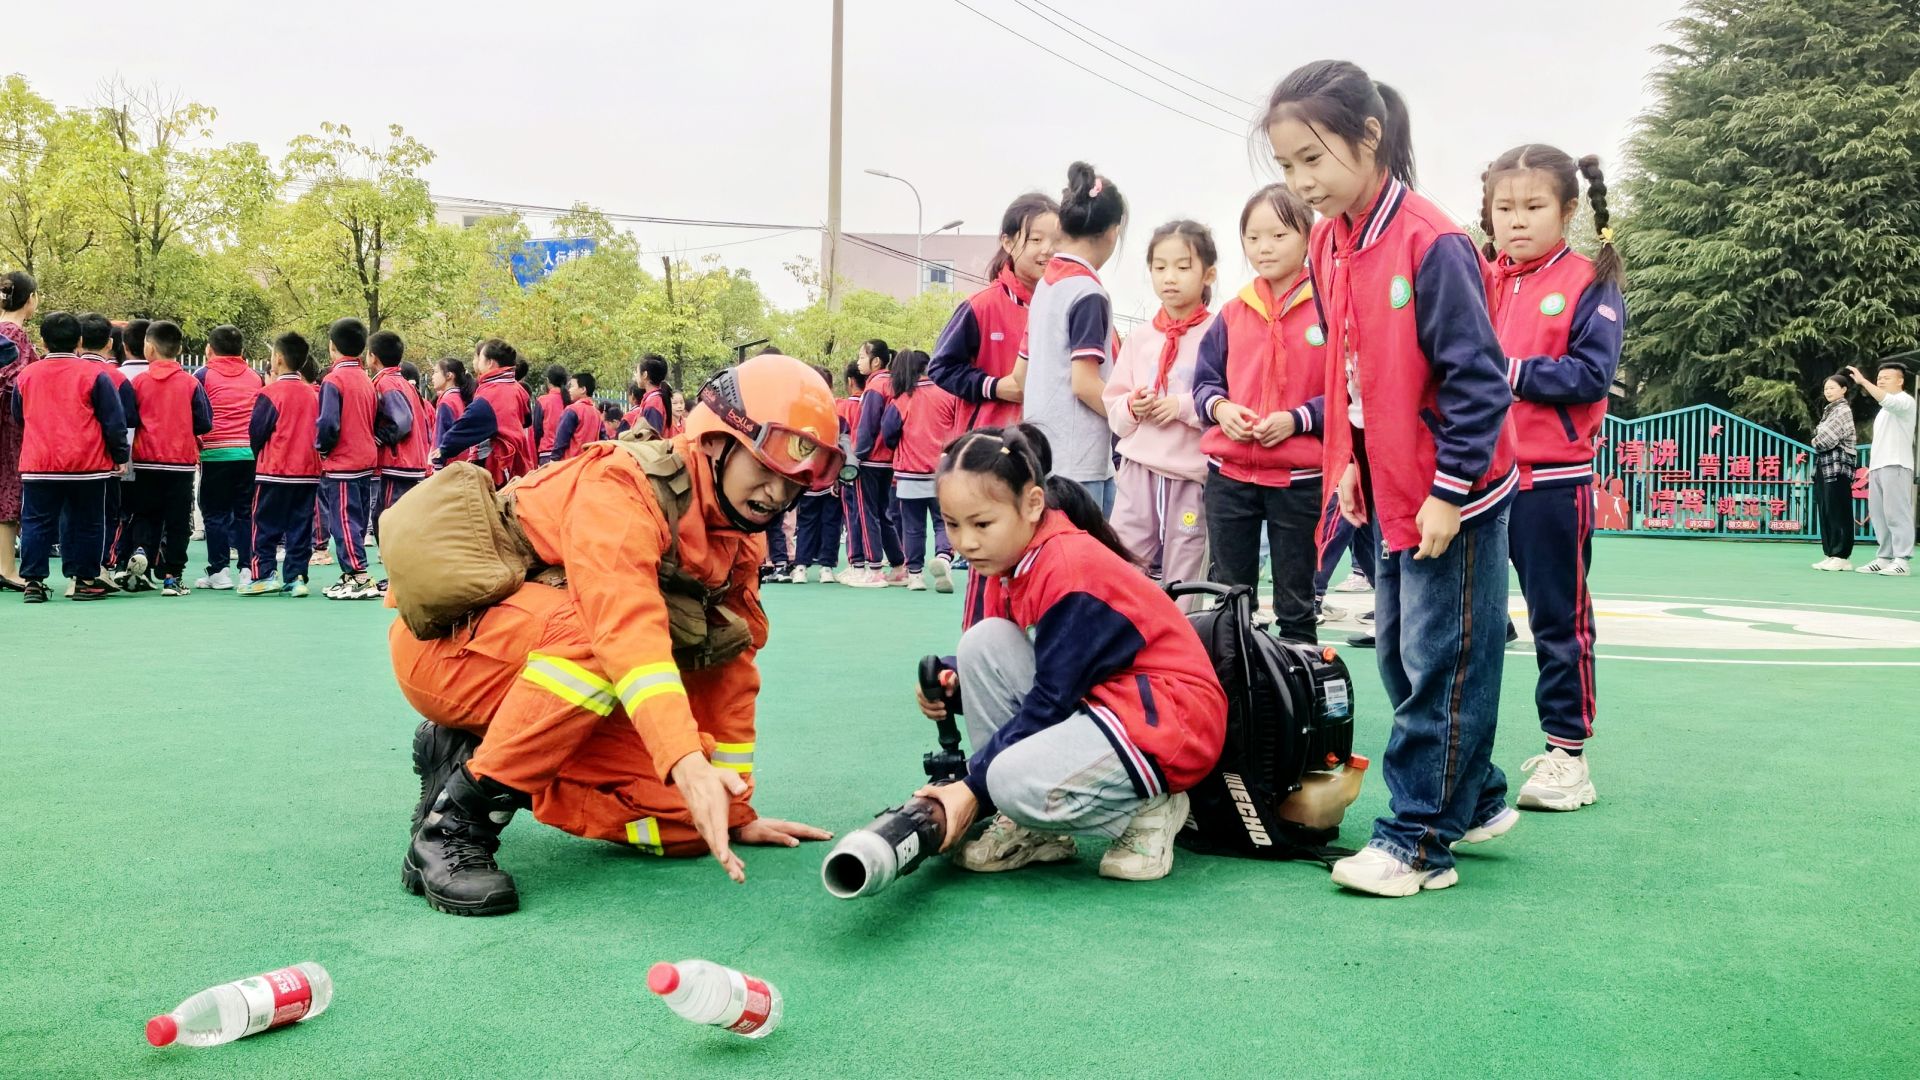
x: 619, y: 703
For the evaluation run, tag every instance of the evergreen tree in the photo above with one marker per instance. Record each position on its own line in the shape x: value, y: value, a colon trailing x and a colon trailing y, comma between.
x: 1774, y: 197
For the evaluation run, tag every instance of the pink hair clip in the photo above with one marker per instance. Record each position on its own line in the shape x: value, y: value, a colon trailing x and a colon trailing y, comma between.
x: 1099, y: 184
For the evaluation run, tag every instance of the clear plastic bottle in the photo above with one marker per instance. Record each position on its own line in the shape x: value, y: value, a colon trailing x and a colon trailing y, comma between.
x: 1323, y: 797
x: 235, y: 1010
x: 707, y: 993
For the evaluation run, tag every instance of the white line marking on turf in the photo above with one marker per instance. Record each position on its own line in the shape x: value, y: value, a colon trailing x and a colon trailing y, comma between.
x: 1752, y: 602
x: 1762, y: 663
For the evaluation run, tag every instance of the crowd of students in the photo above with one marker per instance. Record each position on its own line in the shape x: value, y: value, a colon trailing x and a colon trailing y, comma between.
x: 108, y: 442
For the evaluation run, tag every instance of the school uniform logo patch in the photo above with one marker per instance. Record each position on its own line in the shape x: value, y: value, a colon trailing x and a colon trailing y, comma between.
x: 1607, y: 313
x: 1316, y: 336
x: 1400, y: 293
x: 1553, y: 304
x: 997, y: 336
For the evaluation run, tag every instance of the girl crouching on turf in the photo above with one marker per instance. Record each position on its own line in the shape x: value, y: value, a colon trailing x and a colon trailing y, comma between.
x: 1101, y: 721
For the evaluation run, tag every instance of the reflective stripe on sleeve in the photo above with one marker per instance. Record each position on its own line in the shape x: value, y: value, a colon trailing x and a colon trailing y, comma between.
x: 647, y: 681
x: 737, y: 756
x: 570, y: 682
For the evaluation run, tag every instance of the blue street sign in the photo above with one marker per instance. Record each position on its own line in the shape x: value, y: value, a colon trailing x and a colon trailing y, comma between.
x: 538, y: 258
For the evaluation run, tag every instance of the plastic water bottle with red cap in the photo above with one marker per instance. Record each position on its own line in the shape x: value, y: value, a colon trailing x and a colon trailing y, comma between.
x: 237, y: 1009
x: 707, y: 993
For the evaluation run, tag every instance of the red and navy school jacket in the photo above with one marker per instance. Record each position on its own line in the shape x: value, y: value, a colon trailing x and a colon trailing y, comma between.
x: 579, y: 425
x: 174, y: 413
x: 1561, y: 331
x: 1107, y: 640
x: 344, y: 435
x: 1404, y: 306
x: 979, y: 347
x: 917, y: 426
x: 868, y: 448
x: 654, y: 409
x: 848, y: 409
x: 231, y: 387
x: 447, y: 411
x: 282, y: 432
x: 546, y: 420
x: 72, y: 426
x: 122, y: 385
x: 402, y: 427
x: 495, y: 426
x: 1265, y: 361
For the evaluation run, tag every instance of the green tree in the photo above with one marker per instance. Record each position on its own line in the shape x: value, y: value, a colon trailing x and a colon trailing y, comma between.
x: 43, y: 219
x: 822, y: 336
x: 1774, y: 233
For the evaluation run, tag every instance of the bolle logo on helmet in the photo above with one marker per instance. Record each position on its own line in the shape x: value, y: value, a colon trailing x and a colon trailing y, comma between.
x: 1249, y: 814
x: 1316, y: 336
x: 1553, y: 304
x: 1400, y: 293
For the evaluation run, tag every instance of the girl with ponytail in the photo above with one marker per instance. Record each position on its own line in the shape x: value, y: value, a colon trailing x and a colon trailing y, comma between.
x: 1415, y: 414
x: 978, y: 348
x: 1101, y: 721
x: 1560, y: 317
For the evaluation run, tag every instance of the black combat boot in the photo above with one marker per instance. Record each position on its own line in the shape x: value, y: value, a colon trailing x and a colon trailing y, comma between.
x: 451, y: 860
x: 437, y: 751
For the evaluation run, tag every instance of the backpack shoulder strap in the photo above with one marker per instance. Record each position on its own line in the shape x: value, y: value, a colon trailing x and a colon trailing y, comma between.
x: 673, y: 487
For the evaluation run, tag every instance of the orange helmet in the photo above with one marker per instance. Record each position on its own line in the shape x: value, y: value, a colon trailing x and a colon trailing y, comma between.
x: 781, y: 411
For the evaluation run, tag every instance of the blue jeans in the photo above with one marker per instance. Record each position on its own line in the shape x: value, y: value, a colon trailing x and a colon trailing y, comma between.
x: 1442, y: 629
x: 1344, y: 535
x: 1102, y: 492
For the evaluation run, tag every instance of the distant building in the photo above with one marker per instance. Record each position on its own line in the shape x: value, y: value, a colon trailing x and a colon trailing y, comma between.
x: 957, y: 262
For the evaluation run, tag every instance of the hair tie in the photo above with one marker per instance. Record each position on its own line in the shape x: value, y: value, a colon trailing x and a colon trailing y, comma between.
x: 1606, y: 236
x: 1005, y: 449
x: 1099, y: 185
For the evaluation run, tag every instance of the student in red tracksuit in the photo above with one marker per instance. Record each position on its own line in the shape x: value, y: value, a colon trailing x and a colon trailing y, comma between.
x: 1258, y: 388
x: 174, y: 412
x: 97, y: 346
x: 73, y: 436
x: 981, y: 343
x: 651, y: 378
x: 494, y: 424
x: 547, y: 410
x: 1560, y: 318
x: 862, y: 547
x: 283, y: 431
x: 226, y: 459
x: 817, y: 518
x: 634, y: 414
x: 453, y: 391
x: 879, y: 517
x: 581, y: 424
x: 348, y: 454
x: 1101, y: 721
x: 1415, y: 418
x: 918, y: 422
x: 402, y: 424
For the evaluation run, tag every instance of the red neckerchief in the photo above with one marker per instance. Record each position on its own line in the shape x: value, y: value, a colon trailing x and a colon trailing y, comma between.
x: 1174, y: 331
x: 1061, y: 267
x: 1272, y: 307
x: 1019, y: 290
x: 1508, y: 269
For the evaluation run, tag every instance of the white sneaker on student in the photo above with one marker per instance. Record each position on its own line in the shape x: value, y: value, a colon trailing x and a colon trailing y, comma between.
x: 942, y: 571
x: 916, y: 583
x: 245, y: 579
x: 1145, y: 851
x: 1374, y: 871
x: 1007, y: 846
x: 1354, y: 583
x: 1874, y: 567
x: 1840, y: 563
x: 1325, y: 613
x: 1559, y: 781
x: 799, y: 575
x: 219, y: 580
x: 1499, y: 824
x: 868, y: 578
x: 826, y: 575
x: 1896, y: 568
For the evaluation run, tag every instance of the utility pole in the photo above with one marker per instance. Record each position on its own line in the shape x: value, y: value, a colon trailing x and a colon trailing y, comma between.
x: 833, y: 163
x: 679, y: 346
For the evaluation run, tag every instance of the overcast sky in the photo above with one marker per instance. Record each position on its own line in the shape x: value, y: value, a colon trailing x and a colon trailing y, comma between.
x: 718, y: 109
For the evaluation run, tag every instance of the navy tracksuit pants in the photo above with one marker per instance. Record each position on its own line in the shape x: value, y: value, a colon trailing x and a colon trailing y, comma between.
x: 343, y: 506
x: 817, y: 534
x: 283, y: 517
x: 391, y: 488
x: 878, y: 520
x: 73, y: 512
x: 1550, y: 539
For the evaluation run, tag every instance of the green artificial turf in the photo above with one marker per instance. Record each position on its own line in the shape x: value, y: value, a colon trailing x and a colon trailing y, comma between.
x: 203, y: 788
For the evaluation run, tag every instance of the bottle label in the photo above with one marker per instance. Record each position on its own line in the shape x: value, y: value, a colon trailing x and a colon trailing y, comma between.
x: 275, y: 999
x: 758, y: 1005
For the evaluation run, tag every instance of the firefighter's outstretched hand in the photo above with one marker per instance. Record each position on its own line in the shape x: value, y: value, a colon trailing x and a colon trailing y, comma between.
x: 709, y: 793
x: 773, y: 832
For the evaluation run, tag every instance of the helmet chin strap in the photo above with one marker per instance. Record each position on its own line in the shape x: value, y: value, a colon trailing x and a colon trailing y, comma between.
x: 734, y: 517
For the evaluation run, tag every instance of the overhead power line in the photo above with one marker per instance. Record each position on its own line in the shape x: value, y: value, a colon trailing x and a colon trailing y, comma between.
x: 1037, y: 13
x: 1164, y: 67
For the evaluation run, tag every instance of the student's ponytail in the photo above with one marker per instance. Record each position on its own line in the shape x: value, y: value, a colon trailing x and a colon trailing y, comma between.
x: 1020, y: 455
x: 1396, y: 135
x: 1489, y: 249
x: 1607, y: 265
x: 1338, y: 96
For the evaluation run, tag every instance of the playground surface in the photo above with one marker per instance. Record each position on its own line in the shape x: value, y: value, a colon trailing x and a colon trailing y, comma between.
x: 202, y: 788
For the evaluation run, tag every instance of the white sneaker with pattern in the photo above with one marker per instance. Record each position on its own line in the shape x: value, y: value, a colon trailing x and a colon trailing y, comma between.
x: 1896, y: 568
x: 1007, y: 846
x: 1559, y: 781
x: 1145, y: 851
x: 1372, y: 870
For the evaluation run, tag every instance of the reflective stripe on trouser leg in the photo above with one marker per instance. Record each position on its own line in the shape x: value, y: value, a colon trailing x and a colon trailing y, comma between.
x: 736, y: 756
x: 649, y: 681
x: 570, y: 682
x: 645, y: 835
